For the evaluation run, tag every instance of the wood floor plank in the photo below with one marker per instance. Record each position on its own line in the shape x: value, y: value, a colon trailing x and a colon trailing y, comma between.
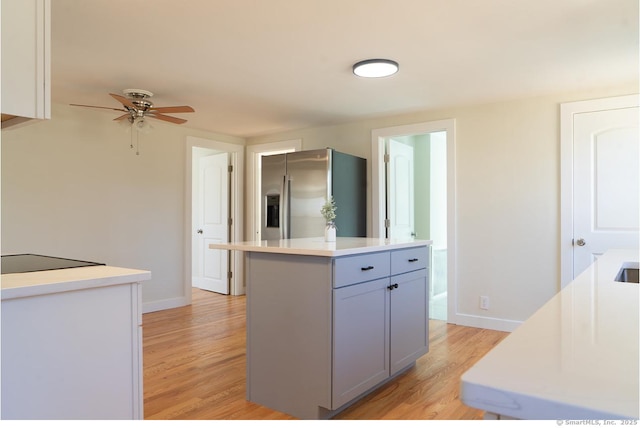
x: 195, y: 368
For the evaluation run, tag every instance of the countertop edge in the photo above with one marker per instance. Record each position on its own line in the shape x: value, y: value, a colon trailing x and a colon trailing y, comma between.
x: 528, y: 407
x: 31, y: 284
x: 317, y: 247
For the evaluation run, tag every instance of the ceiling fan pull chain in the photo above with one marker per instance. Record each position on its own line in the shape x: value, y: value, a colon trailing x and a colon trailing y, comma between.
x: 137, y: 142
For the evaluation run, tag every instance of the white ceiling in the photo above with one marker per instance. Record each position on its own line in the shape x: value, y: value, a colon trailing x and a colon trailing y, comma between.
x: 254, y: 67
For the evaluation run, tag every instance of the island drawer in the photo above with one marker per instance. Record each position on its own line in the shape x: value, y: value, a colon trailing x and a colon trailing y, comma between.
x: 364, y: 267
x: 409, y: 260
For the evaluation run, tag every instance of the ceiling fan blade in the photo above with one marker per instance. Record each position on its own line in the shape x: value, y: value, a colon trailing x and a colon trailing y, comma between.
x: 108, y: 108
x: 124, y: 116
x: 173, y: 109
x: 171, y: 119
x: 124, y: 101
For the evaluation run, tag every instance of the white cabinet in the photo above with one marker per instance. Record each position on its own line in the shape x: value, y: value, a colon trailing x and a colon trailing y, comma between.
x: 380, y: 327
x: 73, y: 354
x: 324, y: 331
x: 26, y: 60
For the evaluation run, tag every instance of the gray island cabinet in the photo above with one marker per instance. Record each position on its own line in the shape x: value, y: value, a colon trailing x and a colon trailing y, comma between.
x: 329, y: 322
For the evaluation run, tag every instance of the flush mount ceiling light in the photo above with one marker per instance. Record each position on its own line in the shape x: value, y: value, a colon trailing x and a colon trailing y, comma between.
x: 375, y: 68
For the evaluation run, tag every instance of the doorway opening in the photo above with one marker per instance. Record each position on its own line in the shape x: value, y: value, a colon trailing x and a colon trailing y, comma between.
x: 416, y: 201
x: 213, y: 214
x: 211, y: 199
x: 413, y: 193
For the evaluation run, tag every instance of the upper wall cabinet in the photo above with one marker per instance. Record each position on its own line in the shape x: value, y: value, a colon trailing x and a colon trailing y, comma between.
x: 26, y: 61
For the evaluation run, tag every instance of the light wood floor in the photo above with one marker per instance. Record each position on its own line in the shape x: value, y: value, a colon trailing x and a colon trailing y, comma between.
x: 194, y: 368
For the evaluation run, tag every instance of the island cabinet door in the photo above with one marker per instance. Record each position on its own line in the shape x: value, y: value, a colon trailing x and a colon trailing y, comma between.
x: 360, y: 339
x: 409, y: 319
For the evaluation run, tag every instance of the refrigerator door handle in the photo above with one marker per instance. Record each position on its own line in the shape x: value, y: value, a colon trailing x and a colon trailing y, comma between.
x: 284, y: 208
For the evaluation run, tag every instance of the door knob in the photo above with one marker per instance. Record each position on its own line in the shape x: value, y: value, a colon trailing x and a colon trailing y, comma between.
x: 581, y: 242
x: 199, y: 231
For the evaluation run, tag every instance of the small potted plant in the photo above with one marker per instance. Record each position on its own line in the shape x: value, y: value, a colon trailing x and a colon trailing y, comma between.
x: 328, y: 211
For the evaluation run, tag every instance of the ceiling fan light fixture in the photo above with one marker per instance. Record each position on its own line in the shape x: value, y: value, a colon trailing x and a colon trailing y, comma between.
x: 375, y: 68
x: 142, y: 125
x: 126, y: 123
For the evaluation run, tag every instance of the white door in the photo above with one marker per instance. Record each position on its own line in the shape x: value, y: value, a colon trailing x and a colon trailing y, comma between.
x: 606, y: 183
x: 400, y: 197
x: 211, y: 266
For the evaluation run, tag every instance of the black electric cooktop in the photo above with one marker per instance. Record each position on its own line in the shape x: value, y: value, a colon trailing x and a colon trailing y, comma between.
x: 22, y: 263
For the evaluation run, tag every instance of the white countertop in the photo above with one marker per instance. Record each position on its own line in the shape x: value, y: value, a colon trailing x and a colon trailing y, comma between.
x: 18, y: 285
x: 575, y: 358
x: 318, y: 246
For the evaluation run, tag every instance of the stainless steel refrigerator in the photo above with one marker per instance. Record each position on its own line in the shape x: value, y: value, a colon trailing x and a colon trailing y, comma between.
x: 296, y: 185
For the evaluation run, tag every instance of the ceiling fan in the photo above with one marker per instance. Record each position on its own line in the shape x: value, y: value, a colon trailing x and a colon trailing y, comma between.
x: 137, y: 106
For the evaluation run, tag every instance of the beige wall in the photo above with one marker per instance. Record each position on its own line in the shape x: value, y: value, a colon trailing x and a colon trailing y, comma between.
x: 508, y: 190
x: 72, y: 187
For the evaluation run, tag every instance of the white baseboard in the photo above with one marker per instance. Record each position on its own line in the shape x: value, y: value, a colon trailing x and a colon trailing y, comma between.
x: 485, y: 322
x: 160, y: 305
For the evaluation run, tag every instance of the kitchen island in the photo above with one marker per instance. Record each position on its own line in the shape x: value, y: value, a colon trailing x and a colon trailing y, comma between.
x: 328, y: 322
x: 575, y: 358
x: 72, y: 344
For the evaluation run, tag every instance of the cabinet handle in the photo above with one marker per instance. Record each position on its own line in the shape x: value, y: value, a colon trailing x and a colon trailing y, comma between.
x: 413, y: 260
x: 367, y: 268
x: 392, y: 286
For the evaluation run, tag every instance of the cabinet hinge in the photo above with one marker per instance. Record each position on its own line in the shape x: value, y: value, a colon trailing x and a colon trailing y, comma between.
x: 387, y: 222
x: 230, y: 168
x: 229, y: 274
x: 386, y: 158
x: 230, y: 222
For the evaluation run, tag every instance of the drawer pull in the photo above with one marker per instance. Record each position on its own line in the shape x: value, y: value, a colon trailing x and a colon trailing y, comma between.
x: 413, y: 260
x: 392, y: 286
x: 367, y: 268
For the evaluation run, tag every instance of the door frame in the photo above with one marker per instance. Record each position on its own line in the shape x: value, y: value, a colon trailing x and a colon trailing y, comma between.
x: 236, y: 158
x: 567, y: 112
x: 378, y: 192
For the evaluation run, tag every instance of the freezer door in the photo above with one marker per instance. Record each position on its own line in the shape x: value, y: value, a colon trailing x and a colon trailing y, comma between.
x: 271, y: 210
x: 309, y: 177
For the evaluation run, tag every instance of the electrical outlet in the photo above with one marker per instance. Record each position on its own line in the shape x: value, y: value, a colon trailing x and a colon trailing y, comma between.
x: 484, y: 302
